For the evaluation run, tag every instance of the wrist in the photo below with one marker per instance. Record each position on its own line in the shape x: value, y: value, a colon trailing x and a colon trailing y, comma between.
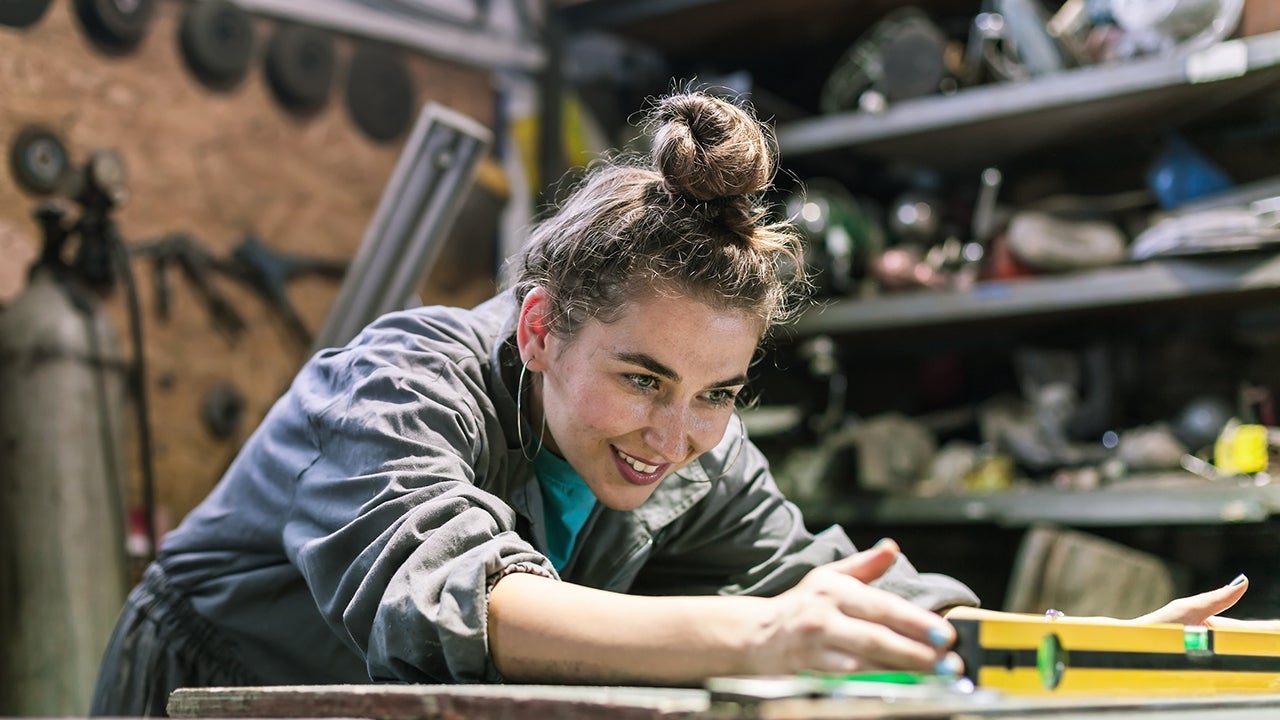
x: 737, y: 634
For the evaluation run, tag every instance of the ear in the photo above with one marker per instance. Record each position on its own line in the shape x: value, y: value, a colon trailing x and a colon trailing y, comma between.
x: 532, y: 329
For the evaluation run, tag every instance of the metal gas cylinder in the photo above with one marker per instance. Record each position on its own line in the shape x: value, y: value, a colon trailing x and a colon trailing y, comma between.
x: 63, y: 573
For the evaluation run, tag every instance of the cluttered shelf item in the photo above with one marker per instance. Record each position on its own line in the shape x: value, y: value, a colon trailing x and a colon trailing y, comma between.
x: 1053, y: 654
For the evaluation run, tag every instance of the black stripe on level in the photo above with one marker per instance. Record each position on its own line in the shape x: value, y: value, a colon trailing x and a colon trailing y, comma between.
x: 975, y: 657
x: 1120, y: 660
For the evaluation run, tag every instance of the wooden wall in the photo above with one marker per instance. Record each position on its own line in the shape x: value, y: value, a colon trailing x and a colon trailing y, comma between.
x: 214, y: 164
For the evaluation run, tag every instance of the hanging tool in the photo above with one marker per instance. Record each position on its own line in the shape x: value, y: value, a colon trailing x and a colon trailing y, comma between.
x: 267, y: 271
x: 299, y: 67
x: 115, y: 26
x: 38, y: 160
x: 252, y: 262
x: 216, y: 40
x: 22, y: 13
x: 197, y: 265
x: 379, y: 92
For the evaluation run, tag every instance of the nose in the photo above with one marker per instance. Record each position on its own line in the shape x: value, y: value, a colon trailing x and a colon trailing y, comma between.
x: 668, y: 431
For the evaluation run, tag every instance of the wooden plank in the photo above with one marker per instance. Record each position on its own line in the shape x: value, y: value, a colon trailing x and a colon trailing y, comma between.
x: 535, y: 702
x: 426, y: 702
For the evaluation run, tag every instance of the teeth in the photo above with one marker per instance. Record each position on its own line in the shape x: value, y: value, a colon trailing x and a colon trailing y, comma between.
x: 639, y: 466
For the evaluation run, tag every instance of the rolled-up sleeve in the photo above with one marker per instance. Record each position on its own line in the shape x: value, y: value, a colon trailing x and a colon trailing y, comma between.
x: 396, y: 541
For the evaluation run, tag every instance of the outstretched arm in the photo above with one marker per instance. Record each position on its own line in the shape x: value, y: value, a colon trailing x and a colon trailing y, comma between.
x: 549, y: 631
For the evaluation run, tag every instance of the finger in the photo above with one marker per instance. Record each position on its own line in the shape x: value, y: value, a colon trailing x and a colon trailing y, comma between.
x: 870, y: 564
x: 874, y: 647
x: 1224, y: 623
x: 858, y: 600
x: 1197, y: 609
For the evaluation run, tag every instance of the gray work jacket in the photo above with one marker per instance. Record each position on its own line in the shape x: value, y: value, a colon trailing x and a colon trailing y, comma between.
x: 356, y: 535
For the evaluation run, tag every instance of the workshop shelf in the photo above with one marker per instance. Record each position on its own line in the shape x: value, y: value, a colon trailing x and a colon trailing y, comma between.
x: 1242, y: 279
x: 1164, y: 499
x: 987, y: 124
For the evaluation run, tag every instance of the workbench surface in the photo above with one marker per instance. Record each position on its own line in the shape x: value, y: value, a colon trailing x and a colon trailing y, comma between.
x: 536, y: 702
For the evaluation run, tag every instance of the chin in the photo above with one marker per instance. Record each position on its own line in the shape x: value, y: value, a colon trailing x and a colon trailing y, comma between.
x: 625, y: 502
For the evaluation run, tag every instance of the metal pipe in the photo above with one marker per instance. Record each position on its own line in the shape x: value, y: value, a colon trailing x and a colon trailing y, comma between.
x: 410, y: 225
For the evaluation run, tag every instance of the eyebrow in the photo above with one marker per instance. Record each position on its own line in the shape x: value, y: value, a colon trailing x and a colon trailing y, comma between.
x: 652, y: 364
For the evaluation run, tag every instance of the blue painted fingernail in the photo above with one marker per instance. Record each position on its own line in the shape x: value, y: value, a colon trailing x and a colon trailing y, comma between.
x: 939, y: 637
x: 1240, y: 579
x: 948, y: 666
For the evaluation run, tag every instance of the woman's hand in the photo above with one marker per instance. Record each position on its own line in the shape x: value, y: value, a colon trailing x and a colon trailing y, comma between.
x: 1203, y: 609
x: 833, y: 621
x: 1199, y: 609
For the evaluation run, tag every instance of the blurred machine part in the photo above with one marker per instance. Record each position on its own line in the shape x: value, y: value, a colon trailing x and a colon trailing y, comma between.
x: 1211, y: 231
x: 1051, y: 243
x: 902, y: 56
x: 62, y: 411
x: 841, y: 233
x: 985, y: 220
x: 1198, y: 424
x: 217, y: 42
x: 115, y: 26
x: 410, y: 224
x: 1011, y: 40
x: 1181, y: 173
x: 62, y: 395
x: 1242, y: 449
x: 827, y: 411
x: 1027, y: 41
x: 1160, y: 25
x: 916, y: 218
x: 494, y: 34
x: 299, y: 67
x: 905, y: 267
x: 38, y: 160
x: 894, y: 453
x: 379, y: 92
x: 22, y: 13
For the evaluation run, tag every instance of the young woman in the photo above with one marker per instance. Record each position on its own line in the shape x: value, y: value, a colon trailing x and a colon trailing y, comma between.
x: 550, y: 487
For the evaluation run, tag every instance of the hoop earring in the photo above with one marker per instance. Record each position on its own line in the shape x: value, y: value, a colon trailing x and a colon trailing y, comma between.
x: 737, y: 452
x: 524, y: 369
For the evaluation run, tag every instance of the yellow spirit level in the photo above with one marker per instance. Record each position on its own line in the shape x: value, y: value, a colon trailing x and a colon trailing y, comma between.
x: 1044, y: 655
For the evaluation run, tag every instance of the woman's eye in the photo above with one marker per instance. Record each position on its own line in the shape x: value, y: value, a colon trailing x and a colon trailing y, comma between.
x: 644, y: 382
x: 721, y: 397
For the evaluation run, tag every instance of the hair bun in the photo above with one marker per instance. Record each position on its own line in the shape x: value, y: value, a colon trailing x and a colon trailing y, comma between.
x: 708, y: 148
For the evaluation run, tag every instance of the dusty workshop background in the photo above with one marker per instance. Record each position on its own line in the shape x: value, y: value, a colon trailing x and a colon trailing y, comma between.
x: 216, y: 164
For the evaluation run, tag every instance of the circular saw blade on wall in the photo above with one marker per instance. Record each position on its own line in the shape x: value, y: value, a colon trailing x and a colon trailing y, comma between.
x: 379, y: 92
x: 22, y: 13
x: 216, y: 38
x: 299, y: 67
x: 38, y: 160
x: 115, y: 26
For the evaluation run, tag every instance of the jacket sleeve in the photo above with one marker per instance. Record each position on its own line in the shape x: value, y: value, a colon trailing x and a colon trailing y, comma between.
x: 745, y: 538
x: 396, y: 542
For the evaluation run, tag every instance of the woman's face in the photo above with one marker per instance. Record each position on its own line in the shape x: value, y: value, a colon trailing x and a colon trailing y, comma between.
x: 631, y: 401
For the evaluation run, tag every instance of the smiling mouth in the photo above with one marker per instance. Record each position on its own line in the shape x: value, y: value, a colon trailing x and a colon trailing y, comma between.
x: 636, y: 464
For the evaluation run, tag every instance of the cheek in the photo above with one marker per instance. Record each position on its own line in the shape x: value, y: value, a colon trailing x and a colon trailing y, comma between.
x: 601, y: 410
x: 707, y: 430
